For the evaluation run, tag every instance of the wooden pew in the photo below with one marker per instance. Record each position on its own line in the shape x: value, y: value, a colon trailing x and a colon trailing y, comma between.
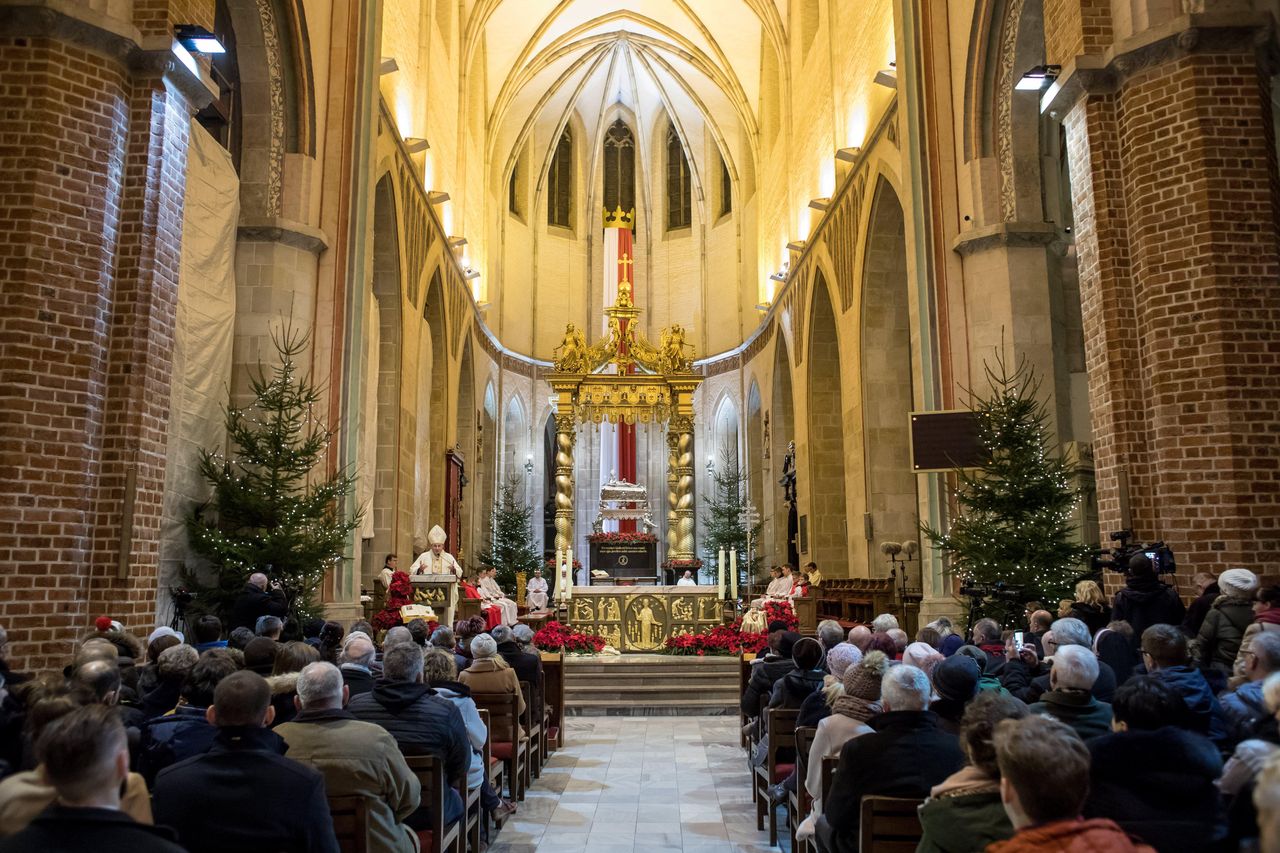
x: 430, y: 773
x: 780, y: 726
x: 890, y: 825
x: 350, y: 817
x: 553, y: 697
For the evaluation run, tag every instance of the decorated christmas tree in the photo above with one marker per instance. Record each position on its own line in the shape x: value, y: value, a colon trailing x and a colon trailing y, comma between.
x: 722, y: 523
x: 1015, y: 523
x: 271, y: 510
x: 510, y: 549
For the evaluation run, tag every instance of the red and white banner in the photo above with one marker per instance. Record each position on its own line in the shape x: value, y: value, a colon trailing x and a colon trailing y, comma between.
x: 617, y: 441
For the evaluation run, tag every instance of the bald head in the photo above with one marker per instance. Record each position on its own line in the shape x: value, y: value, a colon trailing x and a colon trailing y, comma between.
x: 860, y: 636
x: 258, y: 579
x: 900, y: 638
x: 358, y: 650
x: 99, y: 679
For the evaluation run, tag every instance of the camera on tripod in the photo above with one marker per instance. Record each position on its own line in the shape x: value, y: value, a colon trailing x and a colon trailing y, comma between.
x: 1117, y: 559
x: 999, y: 590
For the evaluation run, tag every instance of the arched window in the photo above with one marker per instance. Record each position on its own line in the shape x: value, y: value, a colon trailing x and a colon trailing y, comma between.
x: 679, y: 214
x: 619, y: 167
x: 560, y: 182
x: 726, y: 189
x: 513, y: 191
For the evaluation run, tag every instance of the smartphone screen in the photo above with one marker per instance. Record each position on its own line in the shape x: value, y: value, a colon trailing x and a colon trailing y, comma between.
x: 1017, y: 640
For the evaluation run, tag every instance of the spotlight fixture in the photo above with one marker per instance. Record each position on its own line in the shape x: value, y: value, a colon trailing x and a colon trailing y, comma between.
x: 1038, y: 78
x: 780, y: 275
x: 528, y: 465
x: 820, y: 204
x: 197, y: 39
x: 848, y: 155
x: 414, y: 144
x: 388, y: 66
x: 796, y: 246
x: 457, y: 242
x: 469, y: 274
x: 437, y: 197
x: 763, y: 307
x: 711, y: 467
x: 888, y: 77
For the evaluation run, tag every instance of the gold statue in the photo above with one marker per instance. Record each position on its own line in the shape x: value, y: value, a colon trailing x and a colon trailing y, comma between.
x: 672, y: 345
x: 572, y: 353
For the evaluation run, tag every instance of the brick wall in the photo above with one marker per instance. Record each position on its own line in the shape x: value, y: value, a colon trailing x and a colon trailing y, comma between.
x: 1176, y: 226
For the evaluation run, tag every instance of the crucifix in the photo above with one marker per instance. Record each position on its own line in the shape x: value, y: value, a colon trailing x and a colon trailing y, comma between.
x: 625, y: 262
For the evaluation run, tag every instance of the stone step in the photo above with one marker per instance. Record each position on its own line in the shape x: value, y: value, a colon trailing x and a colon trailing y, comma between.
x: 653, y: 676
x: 665, y: 708
x: 651, y: 685
x: 716, y: 690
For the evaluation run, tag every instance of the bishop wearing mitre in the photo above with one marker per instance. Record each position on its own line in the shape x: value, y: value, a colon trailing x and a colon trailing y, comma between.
x: 435, y: 560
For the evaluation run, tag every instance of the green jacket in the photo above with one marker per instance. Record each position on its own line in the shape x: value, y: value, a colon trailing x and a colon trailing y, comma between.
x: 1221, y: 632
x: 990, y: 682
x: 964, y: 823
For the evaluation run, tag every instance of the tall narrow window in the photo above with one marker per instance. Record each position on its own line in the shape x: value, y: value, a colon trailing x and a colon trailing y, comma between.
x: 678, y: 195
x: 513, y: 192
x: 619, y: 167
x: 560, y: 182
x: 726, y: 189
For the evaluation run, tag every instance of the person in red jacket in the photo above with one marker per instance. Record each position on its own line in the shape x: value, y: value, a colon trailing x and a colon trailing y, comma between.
x: 1044, y: 779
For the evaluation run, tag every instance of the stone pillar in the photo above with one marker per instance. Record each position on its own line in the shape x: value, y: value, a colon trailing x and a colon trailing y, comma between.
x: 93, y: 163
x: 1174, y: 178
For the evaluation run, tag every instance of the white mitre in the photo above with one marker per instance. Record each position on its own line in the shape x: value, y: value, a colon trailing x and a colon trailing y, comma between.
x: 436, y: 536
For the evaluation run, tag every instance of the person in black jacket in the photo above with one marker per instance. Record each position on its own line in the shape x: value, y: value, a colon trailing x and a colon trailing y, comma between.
x: 906, y: 755
x: 1153, y: 777
x: 1028, y: 679
x: 792, y: 689
x: 169, y: 738
x: 258, y: 598
x: 528, y: 666
x: 1145, y: 601
x: 1208, y: 589
x: 85, y: 756
x: 356, y: 663
x: 243, y: 795
x: 765, y: 672
x: 421, y: 722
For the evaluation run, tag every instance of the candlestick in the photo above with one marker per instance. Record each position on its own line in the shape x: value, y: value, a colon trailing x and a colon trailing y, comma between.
x: 733, y: 574
x: 568, y: 564
x: 720, y: 573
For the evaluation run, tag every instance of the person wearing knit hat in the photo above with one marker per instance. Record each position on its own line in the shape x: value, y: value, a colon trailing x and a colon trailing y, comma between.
x: 922, y: 656
x: 164, y: 631
x: 841, y: 657
x: 986, y: 683
x: 955, y: 681
x: 1216, y: 645
x: 861, y: 699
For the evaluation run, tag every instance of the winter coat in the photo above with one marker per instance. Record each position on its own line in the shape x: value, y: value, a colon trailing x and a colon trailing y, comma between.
x: 832, y: 734
x: 1159, y: 786
x: 253, y: 603
x: 243, y: 795
x: 60, y: 829
x: 172, y: 738
x: 1071, y: 836
x: 359, y: 759
x: 421, y: 722
x: 1029, y: 685
x: 1220, y: 634
x: 905, y: 756
x: 23, y: 796
x: 795, y: 687
x: 963, y: 814
x: 1245, y: 711
x: 488, y: 675
x: 284, y: 689
x: 813, y: 710
x: 1094, y: 616
x: 357, y: 679
x: 1078, y: 709
x: 528, y: 668
x: 1118, y: 653
x: 1206, y: 712
x: 763, y: 677
x: 1144, y: 602
x: 1199, y: 608
x: 460, y: 697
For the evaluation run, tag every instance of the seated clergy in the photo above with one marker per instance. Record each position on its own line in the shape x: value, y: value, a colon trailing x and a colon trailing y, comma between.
x: 779, y: 589
x: 357, y: 759
x: 535, y: 592
x: 493, y: 595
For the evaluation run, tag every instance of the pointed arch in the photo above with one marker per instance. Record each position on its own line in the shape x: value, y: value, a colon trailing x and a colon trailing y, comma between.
x: 757, y: 457
x: 784, y: 517
x: 827, y: 504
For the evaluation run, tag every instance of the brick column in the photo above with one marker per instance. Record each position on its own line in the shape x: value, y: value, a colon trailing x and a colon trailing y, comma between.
x: 93, y: 141
x: 1174, y: 188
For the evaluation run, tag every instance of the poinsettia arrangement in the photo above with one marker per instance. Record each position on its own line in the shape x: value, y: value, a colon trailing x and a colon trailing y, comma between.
x: 554, y: 635
x: 720, y: 640
x: 597, y: 538
x: 781, y: 611
x: 550, y: 565
x: 399, y: 594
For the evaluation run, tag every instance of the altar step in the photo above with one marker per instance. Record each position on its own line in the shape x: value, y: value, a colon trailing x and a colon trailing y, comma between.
x: 651, y: 685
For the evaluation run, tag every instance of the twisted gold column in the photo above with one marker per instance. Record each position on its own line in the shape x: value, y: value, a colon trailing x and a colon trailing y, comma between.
x: 565, y: 438
x: 673, y: 499
x: 681, y: 426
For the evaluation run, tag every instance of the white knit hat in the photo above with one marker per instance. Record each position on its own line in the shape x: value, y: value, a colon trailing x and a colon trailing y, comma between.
x: 1239, y: 583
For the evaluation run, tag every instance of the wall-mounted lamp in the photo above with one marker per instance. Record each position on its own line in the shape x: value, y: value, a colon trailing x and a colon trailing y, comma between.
x: 457, y: 242
x: 470, y: 275
x: 820, y: 204
x: 888, y: 77
x: 528, y: 465
x: 437, y: 197
x: 780, y: 275
x: 848, y: 155
x: 796, y: 246
x: 711, y: 467
x: 197, y: 39
x: 1038, y: 78
x: 388, y: 66
x: 414, y: 144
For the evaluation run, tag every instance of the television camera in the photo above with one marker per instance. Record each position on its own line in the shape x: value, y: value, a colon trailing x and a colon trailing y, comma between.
x: 1117, y: 559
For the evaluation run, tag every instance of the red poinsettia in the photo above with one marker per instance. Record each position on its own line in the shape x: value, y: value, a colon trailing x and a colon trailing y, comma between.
x: 621, y: 537
x: 550, y: 565
x: 554, y: 635
x: 720, y: 640
x: 399, y: 594
x: 781, y: 611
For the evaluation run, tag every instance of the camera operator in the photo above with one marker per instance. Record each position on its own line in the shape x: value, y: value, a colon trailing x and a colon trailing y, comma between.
x: 258, y: 599
x: 1145, y: 600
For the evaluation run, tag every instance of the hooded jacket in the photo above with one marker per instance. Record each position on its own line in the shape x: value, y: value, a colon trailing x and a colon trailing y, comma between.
x: 1078, y: 709
x: 1071, y: 836
x: 795, y: 687
x: 1159, y: 786
x: 421, y: 722
x: 172, y: 738
x: 1199, y: 608
x: 1221, y: 632
x: 1245, y: 711
x: 459, y: 695
x: 963, y: 814
x: 1206, y: 712
x: 763, y: 676
x: 1145, y: 601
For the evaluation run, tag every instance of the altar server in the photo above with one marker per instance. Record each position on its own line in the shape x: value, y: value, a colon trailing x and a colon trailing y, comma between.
x: 435, y: 560
x: 493, y: 594
x: 535, y: 592
x: 780, y: 588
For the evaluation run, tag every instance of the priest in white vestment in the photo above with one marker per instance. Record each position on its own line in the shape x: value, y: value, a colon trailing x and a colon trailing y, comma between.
x: 687, y: 580
x: 435, y: 560
x: 491, y: 593
x: 535, y: 592
x: 779, y: 588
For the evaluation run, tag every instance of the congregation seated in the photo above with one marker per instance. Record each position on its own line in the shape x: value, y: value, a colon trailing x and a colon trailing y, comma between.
x: 355, y: 758
x: 160, y: 678
x: 260, y: 654
x: 356, y: 662
x: 804, y: 679
x: 1164, y: 651
x: 1069, y: 698
x: 766, y: 670
x: 207, y: 633
x: 817, y: 706
x: 1028, y: 678
x: 905, y: 755
x: 277, y: 803
x: 284, y: 678
x: 84, y: 758
x: 421, y: 722
x: 955, y: 682
x: 527, y: 665
x: 860, y: 637
x: 830, y: 634
x: 443, y: 638
x: 489, y: 673
x: 170, y: 738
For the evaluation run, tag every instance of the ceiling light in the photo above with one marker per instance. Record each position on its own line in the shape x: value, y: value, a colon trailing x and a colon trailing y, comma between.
x: 388, y: 65
x: 415, y: 144
x: 437, y: 196
x: 197, y: 39
x: 1038, y: 78
x: 820, y: 204
x: 848, y: 155
x: 888, y: 77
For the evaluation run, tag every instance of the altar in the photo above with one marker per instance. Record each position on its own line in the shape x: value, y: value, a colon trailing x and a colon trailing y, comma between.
x: 640, y: 619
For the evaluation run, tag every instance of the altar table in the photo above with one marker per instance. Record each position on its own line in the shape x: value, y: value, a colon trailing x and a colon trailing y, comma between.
x: 641, y: 618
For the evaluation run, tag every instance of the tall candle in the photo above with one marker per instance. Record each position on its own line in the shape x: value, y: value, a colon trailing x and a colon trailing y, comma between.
x: 568, y: 567
x: 733, y: 574
x: 720, y: 572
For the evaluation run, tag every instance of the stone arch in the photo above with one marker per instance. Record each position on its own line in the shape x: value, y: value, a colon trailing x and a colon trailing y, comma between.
x: 828, y: 513
x: 487, y: 464
x: 515, y: 441
x: 384, y: 364
x: 757, y: 460
x: 467, y: 419
x: 726, y: 434
x: 434, y: 405
x: 886, y: 361
x: 783, y: 518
